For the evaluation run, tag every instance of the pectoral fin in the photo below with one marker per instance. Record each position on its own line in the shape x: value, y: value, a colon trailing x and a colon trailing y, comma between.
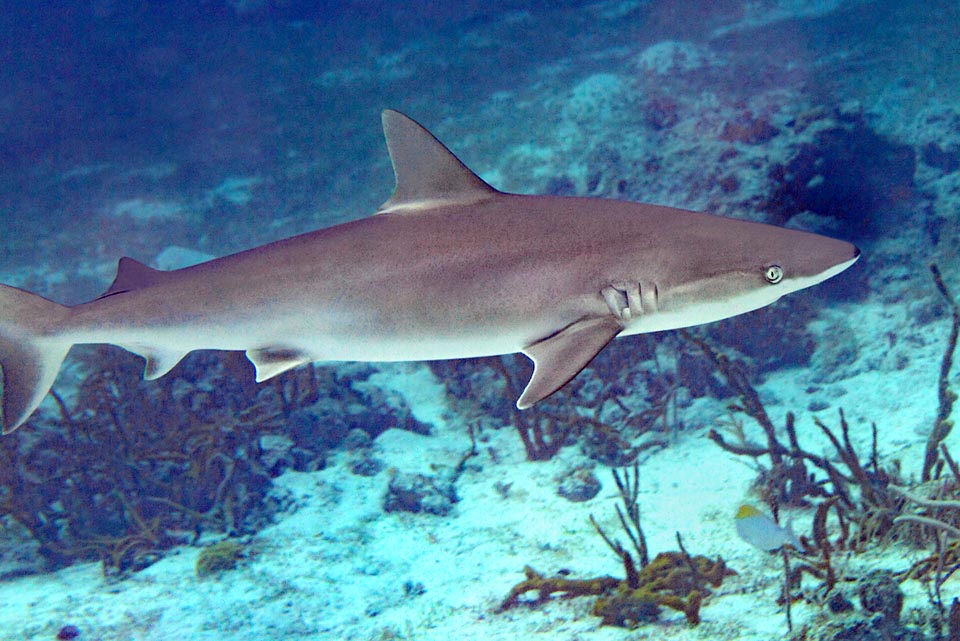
x: 561, y: 356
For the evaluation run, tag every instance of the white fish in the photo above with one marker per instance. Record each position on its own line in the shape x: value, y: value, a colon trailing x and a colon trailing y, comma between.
x: 761, y: 531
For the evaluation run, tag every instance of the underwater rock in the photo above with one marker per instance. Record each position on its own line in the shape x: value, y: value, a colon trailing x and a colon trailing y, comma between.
x: 579, y: 485
x: 373, y: 408
x: 318, y: 427
x: 606, y: 170
x: 880, y: 597
x: 926, y: 311
x: 607, y: 447
x: 697, y: 375
x: 278, y: 501
x: 476, y: 382
x: 357, y: 440
x: 837, y: 353
x: 276, y: 454
x: 880, y: 592
x: 672, y: 57
x: 305, y: 460
x: 875, y: 628
x: 621, y: 356
x: 420, y: 493
x: 413, y: 588
x: 943, y: 159
x: 362, y: 463
x: 329, y: 423
x: 279, y: 453
x: 68, y: 632
x: 366, y: 466
x: 838, y: 602
x: 19, y: 551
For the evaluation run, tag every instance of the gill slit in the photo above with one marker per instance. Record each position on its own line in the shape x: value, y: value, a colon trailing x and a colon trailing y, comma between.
x: 630, y: 301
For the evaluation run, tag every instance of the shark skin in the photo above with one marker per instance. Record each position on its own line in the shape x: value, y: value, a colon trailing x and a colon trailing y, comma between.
x: 449, y: 267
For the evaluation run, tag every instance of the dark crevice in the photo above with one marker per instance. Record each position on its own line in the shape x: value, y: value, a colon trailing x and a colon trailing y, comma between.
x: 849, y: 174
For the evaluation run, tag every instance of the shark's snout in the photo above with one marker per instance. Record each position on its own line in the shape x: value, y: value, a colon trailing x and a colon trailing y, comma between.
x: 853, y: 254
x: 817, y: 258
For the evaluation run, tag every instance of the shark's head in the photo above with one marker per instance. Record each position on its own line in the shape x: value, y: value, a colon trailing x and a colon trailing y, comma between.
x: 733, y: 267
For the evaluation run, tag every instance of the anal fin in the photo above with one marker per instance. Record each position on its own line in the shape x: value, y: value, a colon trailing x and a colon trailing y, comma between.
x: 159, y: 361
x: 561, y: 356
x: 272, y: 361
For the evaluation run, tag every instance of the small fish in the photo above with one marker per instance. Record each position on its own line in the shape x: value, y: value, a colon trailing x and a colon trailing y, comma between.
x: 761, y: 531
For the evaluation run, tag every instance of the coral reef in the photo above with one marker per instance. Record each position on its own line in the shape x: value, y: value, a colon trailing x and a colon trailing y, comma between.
x: 749, y: 129
x: 870, y: 503
x: 624, y: 394
x: 770, y: 338
x: 787, y: 480
x: 877, y: 619
x: 847, y: 173
x: 131, y: 468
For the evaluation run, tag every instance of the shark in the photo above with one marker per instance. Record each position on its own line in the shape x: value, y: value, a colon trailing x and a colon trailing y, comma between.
x: 448, y: 267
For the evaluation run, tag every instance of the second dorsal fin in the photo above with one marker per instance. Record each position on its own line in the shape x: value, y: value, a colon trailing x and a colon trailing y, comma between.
x: 131, y: 275
x: 427, y: 172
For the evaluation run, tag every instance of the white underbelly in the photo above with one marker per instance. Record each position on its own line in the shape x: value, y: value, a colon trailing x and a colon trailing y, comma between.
x: 318, y: 339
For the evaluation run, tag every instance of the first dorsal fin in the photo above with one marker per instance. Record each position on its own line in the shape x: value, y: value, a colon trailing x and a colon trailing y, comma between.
x: 427, y: 173
x: 132, y: 274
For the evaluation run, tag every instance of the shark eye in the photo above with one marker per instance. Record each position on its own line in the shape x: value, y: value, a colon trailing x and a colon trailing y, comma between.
x: 773, y: 274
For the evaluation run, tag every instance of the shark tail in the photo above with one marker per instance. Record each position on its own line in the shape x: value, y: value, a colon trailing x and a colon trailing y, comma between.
x: 30, y: 353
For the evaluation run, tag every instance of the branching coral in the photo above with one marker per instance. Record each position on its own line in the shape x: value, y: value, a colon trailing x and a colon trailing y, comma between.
x: 601, y: 408
x: 135, y: 467
x: 871, y: 503
x: 546, y: 587
x: 788, y: 481
x: 674, y: 580
x: 628, y: 486
x: 946, y: 396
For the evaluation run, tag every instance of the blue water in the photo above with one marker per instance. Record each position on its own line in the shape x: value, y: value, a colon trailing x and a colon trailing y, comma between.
x: 175, y: 132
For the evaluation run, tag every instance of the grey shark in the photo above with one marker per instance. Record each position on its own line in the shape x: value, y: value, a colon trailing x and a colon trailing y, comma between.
x: 449, y: 267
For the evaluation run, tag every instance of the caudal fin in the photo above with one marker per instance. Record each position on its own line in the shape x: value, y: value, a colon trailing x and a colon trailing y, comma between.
x: 30, y: 353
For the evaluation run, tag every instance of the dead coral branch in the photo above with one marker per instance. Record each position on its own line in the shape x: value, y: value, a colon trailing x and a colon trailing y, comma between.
x: 942, y: 425
x: 788, y: 481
